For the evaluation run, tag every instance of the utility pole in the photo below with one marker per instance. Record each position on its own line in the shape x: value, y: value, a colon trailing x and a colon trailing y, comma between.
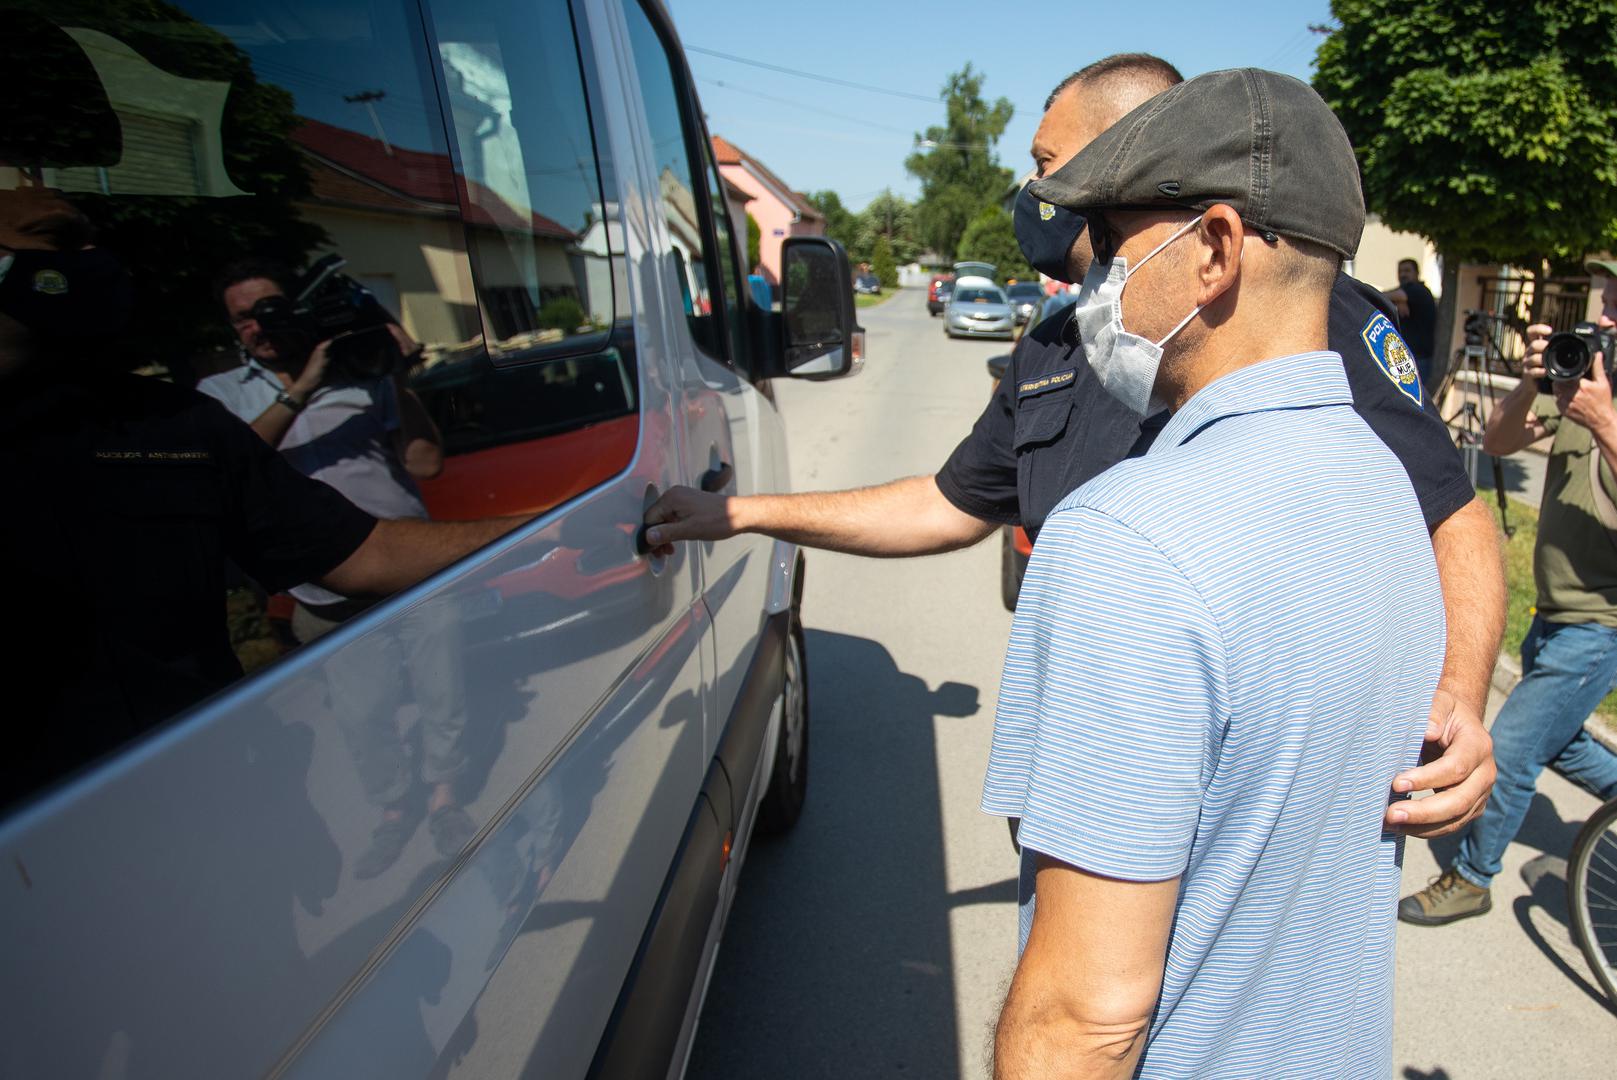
x: 368, y: 98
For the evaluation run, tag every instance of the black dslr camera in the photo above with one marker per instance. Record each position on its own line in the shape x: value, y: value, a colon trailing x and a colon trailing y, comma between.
x: 1569, y: 353
x: 331, y: 306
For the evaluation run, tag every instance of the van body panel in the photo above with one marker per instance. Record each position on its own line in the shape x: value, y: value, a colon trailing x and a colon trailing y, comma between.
x: 192, y: 905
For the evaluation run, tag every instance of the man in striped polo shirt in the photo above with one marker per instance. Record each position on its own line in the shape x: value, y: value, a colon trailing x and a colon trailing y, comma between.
x: 1224, y: 647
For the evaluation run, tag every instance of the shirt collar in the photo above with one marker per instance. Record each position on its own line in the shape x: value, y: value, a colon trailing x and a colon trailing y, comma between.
x: 1301, y: 381
x: 252, y: 369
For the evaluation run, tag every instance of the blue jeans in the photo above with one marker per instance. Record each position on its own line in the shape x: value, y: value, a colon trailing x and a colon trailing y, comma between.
x: 1566, y: 669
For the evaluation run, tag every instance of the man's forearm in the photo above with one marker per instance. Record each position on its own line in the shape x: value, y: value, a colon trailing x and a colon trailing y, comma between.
x: 1466, y: 545
x: 397, y: 554
x: 272, y: 424
x: 1508, y: 430
x: 1605, y: 438
x: 1035, y: 1043
x: 905, y: 517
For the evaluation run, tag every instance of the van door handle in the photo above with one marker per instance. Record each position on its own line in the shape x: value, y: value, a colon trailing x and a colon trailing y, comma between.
x: 718, y: 478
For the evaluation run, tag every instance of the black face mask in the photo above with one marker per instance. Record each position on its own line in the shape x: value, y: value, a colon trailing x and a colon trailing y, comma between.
x: 65, y: 294
x: 1045, y: 233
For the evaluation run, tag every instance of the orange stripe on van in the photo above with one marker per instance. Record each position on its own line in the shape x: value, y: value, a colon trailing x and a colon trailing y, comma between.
x: 530, y: 477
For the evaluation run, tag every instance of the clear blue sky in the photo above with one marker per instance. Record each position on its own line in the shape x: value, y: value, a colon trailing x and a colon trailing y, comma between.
x: 817, y: 135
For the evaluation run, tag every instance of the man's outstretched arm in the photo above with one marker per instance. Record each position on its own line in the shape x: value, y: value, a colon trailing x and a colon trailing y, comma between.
x: 397, y: 554
x: 1458, y: 757
x: 904, y: 517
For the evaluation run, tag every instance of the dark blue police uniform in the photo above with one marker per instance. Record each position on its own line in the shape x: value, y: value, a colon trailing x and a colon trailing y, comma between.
x: 129, y: 495
x: 1051, y: 426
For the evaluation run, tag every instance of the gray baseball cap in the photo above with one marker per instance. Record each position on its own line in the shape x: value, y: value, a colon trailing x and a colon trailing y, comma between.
x: 1260, y: 142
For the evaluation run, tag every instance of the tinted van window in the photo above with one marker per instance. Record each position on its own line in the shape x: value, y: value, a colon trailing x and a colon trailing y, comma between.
x: 698, y: 266
x: 278, y: 179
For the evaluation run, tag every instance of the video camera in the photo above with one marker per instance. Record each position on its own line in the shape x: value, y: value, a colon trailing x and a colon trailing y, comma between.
x: 1569, y: 353
x: 331, y: 306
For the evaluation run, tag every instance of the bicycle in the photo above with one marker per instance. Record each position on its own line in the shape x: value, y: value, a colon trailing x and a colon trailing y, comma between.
x: 1591, y: 885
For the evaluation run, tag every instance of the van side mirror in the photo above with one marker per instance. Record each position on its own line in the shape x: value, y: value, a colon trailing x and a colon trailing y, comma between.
x: 822, y: 338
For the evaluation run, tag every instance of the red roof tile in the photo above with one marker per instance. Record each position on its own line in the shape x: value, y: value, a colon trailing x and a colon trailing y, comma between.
x: 356, y: 169
x: 727, y: 153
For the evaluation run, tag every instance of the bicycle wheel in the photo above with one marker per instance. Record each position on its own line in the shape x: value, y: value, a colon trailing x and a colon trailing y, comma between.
x: 1591, y: 885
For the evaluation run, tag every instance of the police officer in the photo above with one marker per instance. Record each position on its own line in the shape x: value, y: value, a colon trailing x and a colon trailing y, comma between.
x: 1052, y: 425
x: 124, y: 497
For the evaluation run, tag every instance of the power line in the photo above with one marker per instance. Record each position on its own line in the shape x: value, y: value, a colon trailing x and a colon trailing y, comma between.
x: 933, y: 100
x: 811, y: 108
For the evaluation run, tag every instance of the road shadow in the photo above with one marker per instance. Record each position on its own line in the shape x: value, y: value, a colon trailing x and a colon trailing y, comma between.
x: 1543, y: 829
x: 1546, y: 877
x: 1412, y: 1073
x: 837, y: 960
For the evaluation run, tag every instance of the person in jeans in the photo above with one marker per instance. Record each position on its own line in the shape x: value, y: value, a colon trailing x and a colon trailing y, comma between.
x: 1569, y: 657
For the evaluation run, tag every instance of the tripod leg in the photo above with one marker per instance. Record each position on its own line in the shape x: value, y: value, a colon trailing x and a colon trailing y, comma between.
x: 1499, y: 489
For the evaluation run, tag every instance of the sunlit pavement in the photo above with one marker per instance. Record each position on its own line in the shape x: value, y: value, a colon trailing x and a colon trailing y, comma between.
x: 877, y: 939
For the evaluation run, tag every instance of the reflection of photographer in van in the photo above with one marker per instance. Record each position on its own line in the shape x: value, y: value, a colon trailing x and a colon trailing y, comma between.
x: 322, y: 379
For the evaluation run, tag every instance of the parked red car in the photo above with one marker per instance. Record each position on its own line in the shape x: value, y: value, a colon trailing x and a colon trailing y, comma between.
x: 938, y: 293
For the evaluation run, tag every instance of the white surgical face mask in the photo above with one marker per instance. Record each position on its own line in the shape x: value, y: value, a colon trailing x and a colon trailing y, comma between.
x: 1125, y: 363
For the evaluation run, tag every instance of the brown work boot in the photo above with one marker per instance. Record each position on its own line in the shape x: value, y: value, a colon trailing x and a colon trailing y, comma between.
x: 1447, y: 899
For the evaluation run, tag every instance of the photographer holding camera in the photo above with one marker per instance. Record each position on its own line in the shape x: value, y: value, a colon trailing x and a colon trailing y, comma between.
x: 344, y: 417
x: 1569, y: 657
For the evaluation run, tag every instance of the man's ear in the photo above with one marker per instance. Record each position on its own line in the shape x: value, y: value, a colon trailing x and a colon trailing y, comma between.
x: 1219, y: 258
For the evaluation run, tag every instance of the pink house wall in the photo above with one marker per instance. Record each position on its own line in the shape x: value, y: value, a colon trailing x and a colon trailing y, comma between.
x: 774, y: 219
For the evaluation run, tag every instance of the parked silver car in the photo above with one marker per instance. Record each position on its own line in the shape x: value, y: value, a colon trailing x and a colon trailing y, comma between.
x: 491, y: 824
x: 1024, y: 296
x: 978, y: 308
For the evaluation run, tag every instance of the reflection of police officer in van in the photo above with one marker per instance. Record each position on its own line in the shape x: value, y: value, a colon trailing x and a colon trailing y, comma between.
x: 125, y: 496
x: 1051, y: 426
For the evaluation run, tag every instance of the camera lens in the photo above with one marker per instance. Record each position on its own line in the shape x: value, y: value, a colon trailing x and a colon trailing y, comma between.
x: 1566, y: 356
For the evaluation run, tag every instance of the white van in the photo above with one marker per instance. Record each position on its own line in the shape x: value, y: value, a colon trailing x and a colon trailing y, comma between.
x: 276, y: 873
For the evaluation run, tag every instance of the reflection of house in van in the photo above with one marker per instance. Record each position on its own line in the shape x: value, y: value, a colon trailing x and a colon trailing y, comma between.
x: 170, y: 131
x: 392, y: 213
x: 779, y: 210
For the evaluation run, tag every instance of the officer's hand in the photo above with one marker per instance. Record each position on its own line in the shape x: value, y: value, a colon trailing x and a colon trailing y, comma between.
x: 1538, y: 335
x: 1457, y: 765
x: 314, y: 370
x: 687, y: 514
x: 1587, y: 401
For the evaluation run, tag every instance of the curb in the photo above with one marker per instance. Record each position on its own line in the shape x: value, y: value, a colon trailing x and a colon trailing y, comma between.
x: 1507, y: 672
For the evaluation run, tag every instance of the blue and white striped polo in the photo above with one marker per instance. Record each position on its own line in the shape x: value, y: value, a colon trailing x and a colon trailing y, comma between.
x: 1223, y: 653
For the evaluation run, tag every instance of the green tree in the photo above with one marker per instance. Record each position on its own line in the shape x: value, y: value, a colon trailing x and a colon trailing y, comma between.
x: 755, y: 238
x: 841, y: 224
x: 957, y: 164
x: 891, y: 217
x: 1487, y: 128
x: 882, y: 264
x: 991, y: 238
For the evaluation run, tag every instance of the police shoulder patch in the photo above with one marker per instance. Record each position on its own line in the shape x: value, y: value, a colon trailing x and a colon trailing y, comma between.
x: 1392, y: 355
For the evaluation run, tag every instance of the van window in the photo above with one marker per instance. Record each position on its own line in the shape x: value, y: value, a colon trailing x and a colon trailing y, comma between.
x: 276, y: 175
x: 698, y: 265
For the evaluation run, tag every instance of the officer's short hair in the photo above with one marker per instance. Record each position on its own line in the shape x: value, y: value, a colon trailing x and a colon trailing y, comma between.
x: 1309, y: 266
x: 252, y: 269
x: 1139, y: 75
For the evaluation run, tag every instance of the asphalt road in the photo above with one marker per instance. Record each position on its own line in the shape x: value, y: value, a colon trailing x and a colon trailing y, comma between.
x: 877, y: 939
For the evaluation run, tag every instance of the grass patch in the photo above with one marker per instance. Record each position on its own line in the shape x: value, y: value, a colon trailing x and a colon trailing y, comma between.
x: 863, y: 300
x: 1521, y: 593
